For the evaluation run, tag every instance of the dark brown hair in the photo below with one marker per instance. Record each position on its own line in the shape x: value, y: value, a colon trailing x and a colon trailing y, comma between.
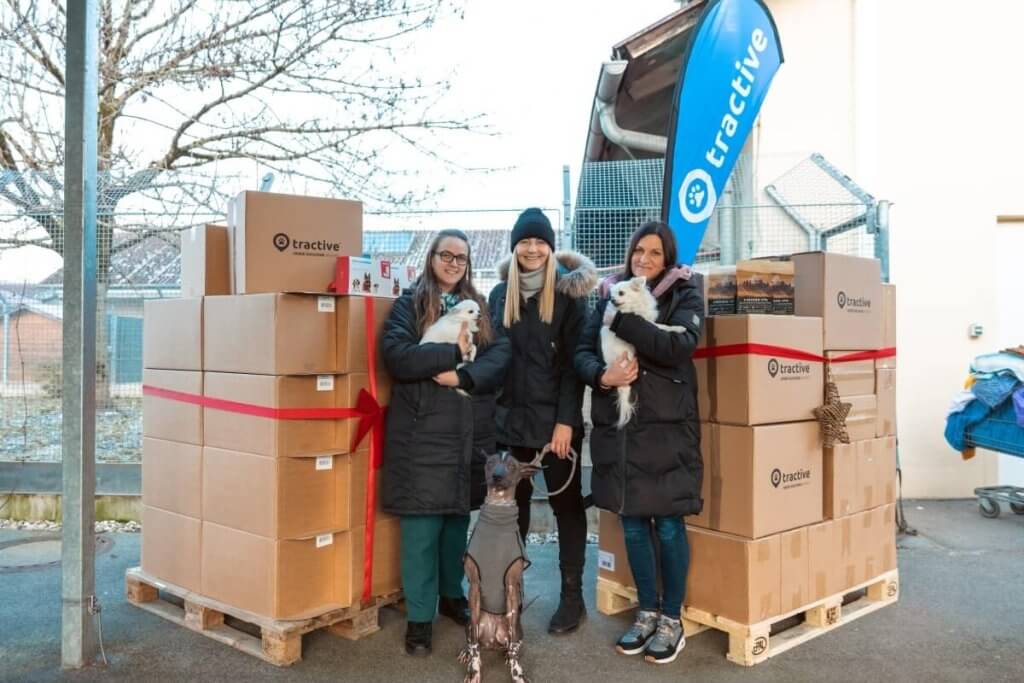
x: 427, y: 292
x: 668, y: 244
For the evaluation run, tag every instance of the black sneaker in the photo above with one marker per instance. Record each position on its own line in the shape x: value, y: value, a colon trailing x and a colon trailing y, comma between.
x: 635, y: 640
x: 667, y: 643
x: 456, y: 609
x: 418, y: 637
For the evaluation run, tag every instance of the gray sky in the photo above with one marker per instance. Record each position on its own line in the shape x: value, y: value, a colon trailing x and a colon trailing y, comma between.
x: 531, y: 68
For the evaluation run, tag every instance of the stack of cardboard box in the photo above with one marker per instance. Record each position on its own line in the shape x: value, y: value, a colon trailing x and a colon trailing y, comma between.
x: 773, y: 536
x: 244, y: 503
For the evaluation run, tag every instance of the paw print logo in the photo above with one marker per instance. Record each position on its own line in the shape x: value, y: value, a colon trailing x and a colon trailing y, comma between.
x: 281, y: 241
x: 697, y: 196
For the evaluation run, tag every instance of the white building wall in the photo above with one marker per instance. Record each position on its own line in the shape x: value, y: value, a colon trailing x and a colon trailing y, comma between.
x: 920, y: 103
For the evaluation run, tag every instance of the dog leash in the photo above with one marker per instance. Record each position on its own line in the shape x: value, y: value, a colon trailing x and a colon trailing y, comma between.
x: 536, y: 464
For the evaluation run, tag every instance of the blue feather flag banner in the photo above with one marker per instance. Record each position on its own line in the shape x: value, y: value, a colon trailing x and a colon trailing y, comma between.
x: 732, y: 57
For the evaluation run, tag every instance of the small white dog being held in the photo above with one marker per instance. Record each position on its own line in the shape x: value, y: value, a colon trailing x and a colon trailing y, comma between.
x: 447, y: 328
x: 628, y: 296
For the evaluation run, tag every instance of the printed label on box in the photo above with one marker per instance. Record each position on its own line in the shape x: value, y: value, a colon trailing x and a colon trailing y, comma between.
x: 605, y: 561
x: 324, y: 539
x: 325, y: 304
x: 325, y: 462
x: 325, y: 382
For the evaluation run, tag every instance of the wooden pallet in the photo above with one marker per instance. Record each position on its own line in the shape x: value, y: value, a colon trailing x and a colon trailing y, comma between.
x: 279, y: 642
x: 751, y: 644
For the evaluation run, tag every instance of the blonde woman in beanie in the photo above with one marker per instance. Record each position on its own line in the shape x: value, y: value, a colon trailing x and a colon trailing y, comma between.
x: 540, y: 304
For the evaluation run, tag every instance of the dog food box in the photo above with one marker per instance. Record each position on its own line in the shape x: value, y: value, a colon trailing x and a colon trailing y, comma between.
x: 360, y: 276
x: 288, y: 243
x: 720, y: 290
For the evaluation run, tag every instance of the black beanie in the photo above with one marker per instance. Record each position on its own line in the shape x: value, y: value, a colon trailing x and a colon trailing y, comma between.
x: 533, y: 223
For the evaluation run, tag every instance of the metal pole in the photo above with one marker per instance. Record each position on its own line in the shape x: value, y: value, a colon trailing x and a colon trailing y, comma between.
x: 566, y: 219
x: 78, y: 570
x: 881, y: 211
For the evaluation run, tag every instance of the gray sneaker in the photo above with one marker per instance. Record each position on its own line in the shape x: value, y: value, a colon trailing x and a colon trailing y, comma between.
x: 667, y: 643
x: 635, y: 640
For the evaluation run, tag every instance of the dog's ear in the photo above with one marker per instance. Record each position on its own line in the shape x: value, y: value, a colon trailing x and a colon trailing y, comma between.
x: 638, y: 283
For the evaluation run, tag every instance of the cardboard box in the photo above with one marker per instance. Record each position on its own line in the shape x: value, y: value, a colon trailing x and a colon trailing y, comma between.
x: 276, y: 498
x: 863, y: 416
x: 876, y: 472
x: 355, y: 499
x: 839, y: 494
x: 287, y: 243
x: 172, y: 476
x: 270, y: 334
x: 277, y: 579
x: 172, y: 547
x: 612, y: 563
x: 720, y: 290
x: 823, y: 568
x: 882, y: 547
x: 707, y: 439
x: 888, y: 325
x: 268, y: 436
x: 172, y: 334
x: 852, y: 378
x: 794, y: 590
x: 351, y: 333
x: 846, y: 292
x: 361, y: 276
x: 734, y: 578
x: 205, y: 261
x: 885, y: 383
x: 751, y: 389
x: 847, y: 553
x: 387, y: 575
x: 764, y: 286
x: 764, y: 479
x: 164, y: 418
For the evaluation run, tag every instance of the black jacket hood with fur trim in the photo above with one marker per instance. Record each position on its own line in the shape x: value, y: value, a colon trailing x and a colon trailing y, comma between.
x: 541, y: 388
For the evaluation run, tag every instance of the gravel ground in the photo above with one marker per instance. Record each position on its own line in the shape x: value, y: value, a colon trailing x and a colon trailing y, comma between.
x: 30, y: 430
x: 106, y: 526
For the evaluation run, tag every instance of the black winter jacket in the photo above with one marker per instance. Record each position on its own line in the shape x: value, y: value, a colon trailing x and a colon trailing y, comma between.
x: 436, y: 441
x: 541, y: 387
x: 653, y: 465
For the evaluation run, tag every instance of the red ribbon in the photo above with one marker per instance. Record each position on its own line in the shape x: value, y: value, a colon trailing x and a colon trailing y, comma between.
x: 787, y: 352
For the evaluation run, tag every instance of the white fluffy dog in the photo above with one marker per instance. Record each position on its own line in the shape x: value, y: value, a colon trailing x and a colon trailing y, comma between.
x: 628, y: 296
x: 446, y: 329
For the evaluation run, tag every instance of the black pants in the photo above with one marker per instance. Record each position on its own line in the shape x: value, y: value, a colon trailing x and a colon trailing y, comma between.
x: 570, y: 515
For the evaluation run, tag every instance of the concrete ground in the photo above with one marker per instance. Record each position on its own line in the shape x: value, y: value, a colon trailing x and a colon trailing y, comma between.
x: 959, y: 618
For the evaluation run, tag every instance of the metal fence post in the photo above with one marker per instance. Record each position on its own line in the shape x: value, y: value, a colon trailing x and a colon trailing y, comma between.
x: 881, y: 211
x: 78, y: 630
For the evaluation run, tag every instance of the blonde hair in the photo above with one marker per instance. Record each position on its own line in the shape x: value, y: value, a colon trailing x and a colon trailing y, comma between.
x: 547, y: 292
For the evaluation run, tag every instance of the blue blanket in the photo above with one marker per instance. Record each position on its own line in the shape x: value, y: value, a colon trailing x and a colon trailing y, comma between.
x: 992, y: 428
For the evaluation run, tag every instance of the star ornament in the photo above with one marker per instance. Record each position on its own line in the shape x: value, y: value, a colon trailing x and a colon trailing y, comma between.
x: 832, y: 416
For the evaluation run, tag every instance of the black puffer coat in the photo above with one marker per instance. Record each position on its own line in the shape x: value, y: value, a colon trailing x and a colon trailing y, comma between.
x: 653, y: 465
x: 436, y: 441
x: 541, y: 387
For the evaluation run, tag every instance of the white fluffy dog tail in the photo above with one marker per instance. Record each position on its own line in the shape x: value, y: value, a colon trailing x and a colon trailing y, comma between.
x: 627, y: 407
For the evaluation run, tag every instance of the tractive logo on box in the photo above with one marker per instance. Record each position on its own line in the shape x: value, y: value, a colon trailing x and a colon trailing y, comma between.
x: 789, y: 480
x: 853, y: 304
x: 788, y: 370
x: 283, y: 241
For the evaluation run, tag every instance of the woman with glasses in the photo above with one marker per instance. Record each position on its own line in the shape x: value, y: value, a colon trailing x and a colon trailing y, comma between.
x: 437, y: 439
x: 541, y: 304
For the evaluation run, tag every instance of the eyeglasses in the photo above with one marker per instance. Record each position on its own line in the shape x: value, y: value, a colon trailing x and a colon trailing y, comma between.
x: 448, y: 257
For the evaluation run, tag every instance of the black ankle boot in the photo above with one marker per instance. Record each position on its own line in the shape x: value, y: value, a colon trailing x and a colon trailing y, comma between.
x: 418, y: 637
x: 456, y: 609
x: 571, y: 609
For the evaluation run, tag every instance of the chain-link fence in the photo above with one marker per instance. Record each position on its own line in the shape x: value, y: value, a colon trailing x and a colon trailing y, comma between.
x: 807, y: 208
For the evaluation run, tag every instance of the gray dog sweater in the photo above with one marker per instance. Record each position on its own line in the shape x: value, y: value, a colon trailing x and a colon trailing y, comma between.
x: 493, y: 547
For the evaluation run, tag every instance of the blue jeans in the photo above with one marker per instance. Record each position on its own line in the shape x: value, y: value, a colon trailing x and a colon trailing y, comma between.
x: 675, y: 561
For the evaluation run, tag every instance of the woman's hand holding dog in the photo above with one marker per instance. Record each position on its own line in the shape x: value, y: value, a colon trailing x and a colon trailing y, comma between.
x: 447, y: 379
x: 561, y: 439
x: 621, y: 373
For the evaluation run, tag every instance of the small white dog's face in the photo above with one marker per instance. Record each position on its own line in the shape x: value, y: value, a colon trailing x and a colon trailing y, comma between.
x: 467, y: 309
x: 628, y: 291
